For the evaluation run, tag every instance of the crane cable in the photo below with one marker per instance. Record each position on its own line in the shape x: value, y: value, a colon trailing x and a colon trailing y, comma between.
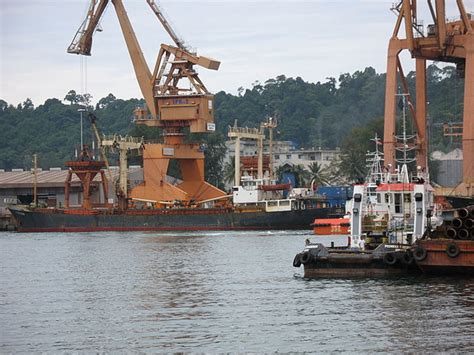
x: 83, y: 74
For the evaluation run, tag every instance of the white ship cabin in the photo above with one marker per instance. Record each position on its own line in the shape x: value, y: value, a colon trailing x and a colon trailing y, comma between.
x: 261, y: 193
x: 397, y: 206
x: 397, y: 195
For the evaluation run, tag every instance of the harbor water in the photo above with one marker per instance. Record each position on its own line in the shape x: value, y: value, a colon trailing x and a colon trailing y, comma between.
x: 213, y: 292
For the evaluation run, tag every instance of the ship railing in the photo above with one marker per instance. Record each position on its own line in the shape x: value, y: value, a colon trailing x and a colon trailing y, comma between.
x: 278, y: 205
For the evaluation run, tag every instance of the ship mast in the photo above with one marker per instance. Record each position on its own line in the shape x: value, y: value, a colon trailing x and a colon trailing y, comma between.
x: 375, y: 160
x: 270, y: 124
x: 404, y: 145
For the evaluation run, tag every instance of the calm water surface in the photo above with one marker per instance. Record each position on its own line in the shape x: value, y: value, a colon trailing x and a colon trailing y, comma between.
x: 212, y: 292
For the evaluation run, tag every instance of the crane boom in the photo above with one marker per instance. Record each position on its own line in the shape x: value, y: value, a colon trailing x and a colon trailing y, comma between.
x: 140, y: 66
x: 163, y: 81
x: 82, y: 42
x: 156, y: 9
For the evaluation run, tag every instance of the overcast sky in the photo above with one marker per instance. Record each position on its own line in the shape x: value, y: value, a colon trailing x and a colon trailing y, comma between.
x: 254, y: 40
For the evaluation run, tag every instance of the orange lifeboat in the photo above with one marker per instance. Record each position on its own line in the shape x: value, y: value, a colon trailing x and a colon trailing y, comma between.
x: 331, y: 226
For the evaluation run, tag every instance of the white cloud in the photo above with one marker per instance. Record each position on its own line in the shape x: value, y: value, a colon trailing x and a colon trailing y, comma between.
x: 254, y: 40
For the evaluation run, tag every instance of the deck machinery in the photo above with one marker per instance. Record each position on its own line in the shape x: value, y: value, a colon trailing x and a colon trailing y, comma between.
x: 443, y: 41
x: 170, y: 107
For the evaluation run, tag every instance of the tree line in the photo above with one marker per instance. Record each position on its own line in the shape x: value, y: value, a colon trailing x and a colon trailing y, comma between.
x: 344, y: 112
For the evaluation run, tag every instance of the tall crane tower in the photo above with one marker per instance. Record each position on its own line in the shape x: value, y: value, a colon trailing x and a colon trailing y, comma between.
x: 170, y: 106
x: 443, y: 41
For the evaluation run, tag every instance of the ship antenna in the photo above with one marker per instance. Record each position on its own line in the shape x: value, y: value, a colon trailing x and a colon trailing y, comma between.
x: 405, y: 147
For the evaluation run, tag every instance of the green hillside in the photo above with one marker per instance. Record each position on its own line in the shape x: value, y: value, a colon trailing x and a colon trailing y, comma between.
x: 342, y: 112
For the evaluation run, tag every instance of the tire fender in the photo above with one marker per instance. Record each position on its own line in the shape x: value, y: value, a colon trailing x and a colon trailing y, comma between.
x: 419, y: 254
x: 306, y: 257
x: 452, y: 250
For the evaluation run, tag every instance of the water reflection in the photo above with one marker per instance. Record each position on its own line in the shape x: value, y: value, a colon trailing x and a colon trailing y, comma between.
x: 212, y: 292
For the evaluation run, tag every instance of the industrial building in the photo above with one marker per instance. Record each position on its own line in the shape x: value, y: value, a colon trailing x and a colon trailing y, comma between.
x: 285, y: 153
x: 17, y: 185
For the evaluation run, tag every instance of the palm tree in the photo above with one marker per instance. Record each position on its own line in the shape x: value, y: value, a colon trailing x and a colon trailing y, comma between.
x: 353, y: 165
x: 301, y: 175
x: 280, y: 170
x: 317, y: 174
x: 334, y: 173
x: 229, y: 171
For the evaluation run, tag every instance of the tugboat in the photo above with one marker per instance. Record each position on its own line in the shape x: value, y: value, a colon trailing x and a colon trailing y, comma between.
x: 381, y: 234
x: 387, y: 215
x: 449, y: 249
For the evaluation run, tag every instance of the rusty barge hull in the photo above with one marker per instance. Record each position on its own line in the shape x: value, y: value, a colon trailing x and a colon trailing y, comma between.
x: 446, y: 256
x: 48, y: 220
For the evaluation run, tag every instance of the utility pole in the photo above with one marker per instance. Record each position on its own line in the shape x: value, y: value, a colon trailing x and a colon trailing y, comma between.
x: 35, y: 180
x: 81, y: 110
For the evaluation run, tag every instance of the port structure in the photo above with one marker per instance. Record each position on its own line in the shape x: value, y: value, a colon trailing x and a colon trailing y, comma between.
x: 257, y: 134
x: 170, y: 106
x: 247, y: 133
x: 444, y: 41
x: 86, y: 169
x: 123, y: 145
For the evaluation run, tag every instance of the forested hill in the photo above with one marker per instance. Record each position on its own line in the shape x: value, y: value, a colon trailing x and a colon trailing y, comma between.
x: 319, y: 114
x: 309, y: 114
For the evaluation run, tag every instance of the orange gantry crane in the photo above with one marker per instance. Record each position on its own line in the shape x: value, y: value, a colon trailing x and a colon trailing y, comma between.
x: 170, y: 106
x: 444, y: 41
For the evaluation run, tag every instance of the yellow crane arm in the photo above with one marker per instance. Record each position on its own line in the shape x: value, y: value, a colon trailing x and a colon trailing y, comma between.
x: 142, y: 72
x: 82, y: 43
x: 202, y: 61
x: 159, y: 13
x: 92, y: 118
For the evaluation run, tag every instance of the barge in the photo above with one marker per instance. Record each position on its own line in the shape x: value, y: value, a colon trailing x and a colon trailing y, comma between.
x: 449, y: 249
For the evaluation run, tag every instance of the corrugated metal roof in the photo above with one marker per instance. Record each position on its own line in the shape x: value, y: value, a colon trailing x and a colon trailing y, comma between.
x: 46, y: 178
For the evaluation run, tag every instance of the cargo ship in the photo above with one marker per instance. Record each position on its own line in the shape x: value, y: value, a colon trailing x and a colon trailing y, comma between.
x: 167, y: 219
x: 256, y: 204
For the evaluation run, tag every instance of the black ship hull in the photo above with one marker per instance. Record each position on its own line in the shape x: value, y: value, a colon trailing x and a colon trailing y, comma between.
x: 320, y: 262
x: 57, y: 220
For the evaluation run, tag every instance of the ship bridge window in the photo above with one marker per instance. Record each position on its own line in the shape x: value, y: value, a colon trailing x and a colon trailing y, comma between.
x: 379, y: 199
x: 250, y: 185
x: 406, y: 198
x: 398, y: 203
x: 387, y: 198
